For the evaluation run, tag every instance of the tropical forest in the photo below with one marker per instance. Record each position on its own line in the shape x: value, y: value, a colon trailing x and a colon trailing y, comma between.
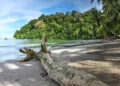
x: 92, y: 24
x: 56, y: 43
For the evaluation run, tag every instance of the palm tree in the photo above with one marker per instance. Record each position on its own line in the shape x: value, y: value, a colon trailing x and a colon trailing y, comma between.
x: 95, y: 20
x: 111, y: 9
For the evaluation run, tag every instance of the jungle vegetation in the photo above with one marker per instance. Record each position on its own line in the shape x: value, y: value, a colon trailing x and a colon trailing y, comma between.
x: 92, y: 24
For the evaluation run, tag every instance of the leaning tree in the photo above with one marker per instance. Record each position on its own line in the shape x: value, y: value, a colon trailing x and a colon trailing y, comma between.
x: 111, y: 9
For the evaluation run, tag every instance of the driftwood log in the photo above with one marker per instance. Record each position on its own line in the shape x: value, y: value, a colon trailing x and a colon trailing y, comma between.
x: 63, y: 74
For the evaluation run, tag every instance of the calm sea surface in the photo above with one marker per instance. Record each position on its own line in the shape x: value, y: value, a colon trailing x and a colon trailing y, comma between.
x: 9, y: 49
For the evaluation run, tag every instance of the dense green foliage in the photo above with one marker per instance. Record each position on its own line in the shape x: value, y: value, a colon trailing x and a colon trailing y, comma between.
x: 74, y: 25
x: 111, y: 18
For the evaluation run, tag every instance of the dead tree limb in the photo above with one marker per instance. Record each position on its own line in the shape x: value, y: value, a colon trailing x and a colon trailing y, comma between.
x: 30, y: 54
x: 63, y: 74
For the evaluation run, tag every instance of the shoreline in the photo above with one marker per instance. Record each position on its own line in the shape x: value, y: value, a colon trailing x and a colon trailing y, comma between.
x: 89, y: 58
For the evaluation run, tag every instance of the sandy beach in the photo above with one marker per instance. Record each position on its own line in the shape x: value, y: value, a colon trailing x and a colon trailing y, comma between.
x: 101, y: 60
x: 14, y: 73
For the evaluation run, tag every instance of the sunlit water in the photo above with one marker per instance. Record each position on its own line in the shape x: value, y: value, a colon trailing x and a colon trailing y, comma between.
x: 9, y: 49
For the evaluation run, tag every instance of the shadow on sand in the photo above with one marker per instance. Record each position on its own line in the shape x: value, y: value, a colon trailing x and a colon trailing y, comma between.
x: 14, y: 73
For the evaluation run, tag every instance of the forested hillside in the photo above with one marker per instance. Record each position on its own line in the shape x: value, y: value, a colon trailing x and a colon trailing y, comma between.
x: 92, y: 24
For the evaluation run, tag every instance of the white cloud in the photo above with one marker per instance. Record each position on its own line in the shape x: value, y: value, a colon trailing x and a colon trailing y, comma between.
x: 25, y: 7
x: 8, y: 20
x: 99, y: 7
x: 12, y: 11
x: 82, y: 6
x: 15, y: 10
x: 6, y: 31
x: 76, y: 2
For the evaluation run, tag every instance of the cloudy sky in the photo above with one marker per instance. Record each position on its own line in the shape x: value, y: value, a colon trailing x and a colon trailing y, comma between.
x: 16, y: 13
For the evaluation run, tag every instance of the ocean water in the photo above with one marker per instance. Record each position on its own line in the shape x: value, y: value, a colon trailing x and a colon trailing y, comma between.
x: 9, y: 49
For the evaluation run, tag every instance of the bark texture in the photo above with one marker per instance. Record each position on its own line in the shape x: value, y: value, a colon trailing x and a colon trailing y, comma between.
x: 61, y: 73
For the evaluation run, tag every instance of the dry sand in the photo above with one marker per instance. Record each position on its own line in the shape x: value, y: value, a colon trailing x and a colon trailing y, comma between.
x: 14, y: 73
x: 101, y: 60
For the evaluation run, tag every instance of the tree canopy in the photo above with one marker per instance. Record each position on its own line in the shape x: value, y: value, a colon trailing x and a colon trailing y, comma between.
x: 75, y: 25
x: 111, y: 20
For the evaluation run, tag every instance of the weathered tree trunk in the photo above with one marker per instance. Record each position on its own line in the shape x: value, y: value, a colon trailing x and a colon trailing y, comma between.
x: 63, y: 74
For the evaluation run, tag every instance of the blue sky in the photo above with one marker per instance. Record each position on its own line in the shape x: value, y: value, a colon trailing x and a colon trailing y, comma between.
x: 16, y: 13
